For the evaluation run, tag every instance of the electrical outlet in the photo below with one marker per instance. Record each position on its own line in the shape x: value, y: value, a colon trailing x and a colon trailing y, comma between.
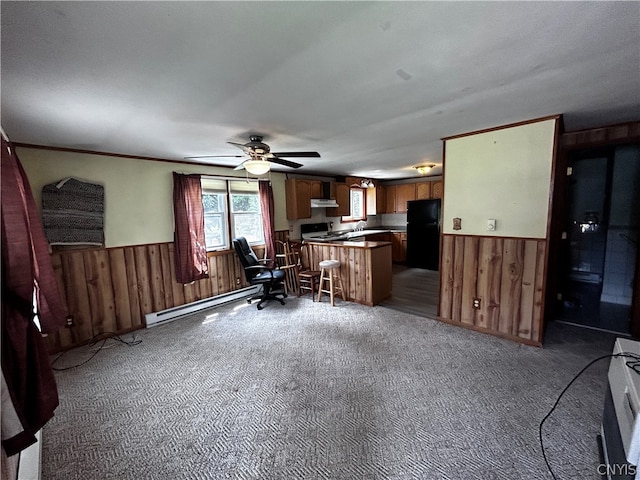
x: 69, y: 322
x: 237, y: 280
x: 476, y: 303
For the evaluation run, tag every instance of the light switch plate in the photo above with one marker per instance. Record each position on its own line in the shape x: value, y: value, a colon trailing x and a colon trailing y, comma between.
x: 491, y: 224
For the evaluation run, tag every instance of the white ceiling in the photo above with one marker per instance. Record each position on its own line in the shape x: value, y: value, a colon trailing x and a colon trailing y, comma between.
x: 372, y: 86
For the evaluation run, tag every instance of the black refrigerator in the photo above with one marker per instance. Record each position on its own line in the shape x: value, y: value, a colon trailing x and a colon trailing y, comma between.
x: 423, y: 234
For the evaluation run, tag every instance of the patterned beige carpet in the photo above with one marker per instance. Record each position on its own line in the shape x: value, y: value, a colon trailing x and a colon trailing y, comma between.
x: 306, y: 391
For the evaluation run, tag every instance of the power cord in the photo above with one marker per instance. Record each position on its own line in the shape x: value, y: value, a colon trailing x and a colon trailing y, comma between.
x: 92, y: 342
x: 634, y: 365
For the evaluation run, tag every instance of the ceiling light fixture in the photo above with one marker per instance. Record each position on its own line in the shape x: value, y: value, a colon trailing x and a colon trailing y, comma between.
x: 367, y: 183
x: 424, y: 169
x: 257, y: 167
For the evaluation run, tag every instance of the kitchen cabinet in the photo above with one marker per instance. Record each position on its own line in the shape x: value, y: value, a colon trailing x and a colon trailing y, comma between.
x: 298, y: 198
x: 404, y: 193
x: 399, y: 247
x: 378, y: 237
x: 437, y: 189
x: 376, y: 200
x: 366, y: 268
x: 423, y: 190
x: 316, y: 189
x: 343, y: 199
x: 390, y: 199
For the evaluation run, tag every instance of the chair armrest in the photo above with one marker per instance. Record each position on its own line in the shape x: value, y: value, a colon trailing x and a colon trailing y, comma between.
x: 261, y: 267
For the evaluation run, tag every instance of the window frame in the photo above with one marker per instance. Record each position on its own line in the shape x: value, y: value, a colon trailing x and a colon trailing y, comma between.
x: 224, y: 214
x: 232, y: 216
x: 350, y: 217
x: 228, y: 222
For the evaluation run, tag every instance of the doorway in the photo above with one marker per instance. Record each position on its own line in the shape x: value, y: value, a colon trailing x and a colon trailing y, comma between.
x: 414, y: 290
x: 599, y: 256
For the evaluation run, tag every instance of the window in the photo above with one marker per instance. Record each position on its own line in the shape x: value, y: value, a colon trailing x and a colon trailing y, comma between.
x: 357, y: 205
x: 215, y: 219
x: 231, y: 209
x: 246, y: 218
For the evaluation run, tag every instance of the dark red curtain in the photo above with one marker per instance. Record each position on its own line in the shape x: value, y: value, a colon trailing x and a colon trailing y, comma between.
x: 190, y: 247
x: 26, y: 267
x: 267, y: 208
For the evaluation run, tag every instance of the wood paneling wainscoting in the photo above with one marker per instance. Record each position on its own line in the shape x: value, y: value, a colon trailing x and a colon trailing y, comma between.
x: 505, y: 274
x: 112, y: 289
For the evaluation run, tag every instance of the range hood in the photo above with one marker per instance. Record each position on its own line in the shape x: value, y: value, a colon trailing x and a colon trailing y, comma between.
x: 323, y: 203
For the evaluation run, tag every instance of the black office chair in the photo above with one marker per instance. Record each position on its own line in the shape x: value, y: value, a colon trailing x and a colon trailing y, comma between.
x: 271, y: 279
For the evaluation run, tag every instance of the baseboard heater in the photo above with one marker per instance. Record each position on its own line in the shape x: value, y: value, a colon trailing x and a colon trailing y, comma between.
x: 164, y: 316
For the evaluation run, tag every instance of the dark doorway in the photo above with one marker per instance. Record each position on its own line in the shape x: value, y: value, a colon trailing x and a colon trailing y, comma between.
x: 599, y: 256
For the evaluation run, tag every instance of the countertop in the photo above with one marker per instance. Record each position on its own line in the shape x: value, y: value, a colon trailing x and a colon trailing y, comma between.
x: 345, y: 235
x: 350, y: 244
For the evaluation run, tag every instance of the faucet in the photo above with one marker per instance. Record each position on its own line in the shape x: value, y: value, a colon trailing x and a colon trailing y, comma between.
x: 360, y: 226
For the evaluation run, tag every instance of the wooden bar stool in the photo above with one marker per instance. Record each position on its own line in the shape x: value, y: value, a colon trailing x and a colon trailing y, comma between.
x: 330, y: 271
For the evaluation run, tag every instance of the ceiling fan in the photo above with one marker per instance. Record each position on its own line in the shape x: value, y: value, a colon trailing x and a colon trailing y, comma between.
x: 261, y: 157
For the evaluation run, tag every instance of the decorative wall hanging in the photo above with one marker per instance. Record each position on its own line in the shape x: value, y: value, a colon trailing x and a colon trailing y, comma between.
x: 73, y: 212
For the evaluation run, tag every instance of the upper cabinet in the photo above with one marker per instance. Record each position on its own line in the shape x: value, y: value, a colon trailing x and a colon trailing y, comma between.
x: 397, y: 196
x: 390, y: 198
x: 437, y: 189
x: 298, y: 196
x: 316, y: 189
x: 341, y: 191
x: 404, y: 193
x: 423, y: 190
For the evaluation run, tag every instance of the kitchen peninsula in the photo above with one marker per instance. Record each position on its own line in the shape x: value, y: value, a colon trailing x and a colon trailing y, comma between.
x: 365, y: 267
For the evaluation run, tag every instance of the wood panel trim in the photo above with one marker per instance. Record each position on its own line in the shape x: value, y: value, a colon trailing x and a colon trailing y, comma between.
x: 502, y: 127
x: 628, y: 132
x: 506, y: 336
x: 506, y: 274
x: 112, y: 289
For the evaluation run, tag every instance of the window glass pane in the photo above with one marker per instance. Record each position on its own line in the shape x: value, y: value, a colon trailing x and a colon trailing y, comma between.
x: 245, y: 203
x: 215, y: 224
x: 213, y: 202
x: 215, y: 230
x: 248, y: 225
x: 357, y: 203
x: 246, y: 217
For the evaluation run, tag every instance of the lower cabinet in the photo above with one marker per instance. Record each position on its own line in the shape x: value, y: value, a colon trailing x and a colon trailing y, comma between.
x: 399, y: 247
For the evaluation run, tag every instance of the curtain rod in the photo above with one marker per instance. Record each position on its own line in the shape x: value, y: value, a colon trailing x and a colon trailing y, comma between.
x: 227, y: 177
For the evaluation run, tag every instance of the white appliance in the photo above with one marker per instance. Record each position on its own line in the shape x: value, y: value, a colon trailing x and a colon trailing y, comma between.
x: 620, y: 430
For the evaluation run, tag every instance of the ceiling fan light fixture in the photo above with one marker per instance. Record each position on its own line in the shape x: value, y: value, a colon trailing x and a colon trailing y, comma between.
x: 257, y: 167
x: 424, y: 169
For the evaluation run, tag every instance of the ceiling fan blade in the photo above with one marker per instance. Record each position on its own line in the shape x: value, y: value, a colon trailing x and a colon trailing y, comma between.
x: 216, y: 156
x: 239, y: 145
x: 240, y: 167
x: 297, y: 154
x: 284, y: 162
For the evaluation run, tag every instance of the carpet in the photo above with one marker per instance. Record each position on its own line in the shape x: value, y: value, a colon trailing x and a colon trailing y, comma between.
x: 307, y: 391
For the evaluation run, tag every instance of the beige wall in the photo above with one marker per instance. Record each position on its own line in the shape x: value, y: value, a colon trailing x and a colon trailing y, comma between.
x: 138, y: 193
x: 502, y: 174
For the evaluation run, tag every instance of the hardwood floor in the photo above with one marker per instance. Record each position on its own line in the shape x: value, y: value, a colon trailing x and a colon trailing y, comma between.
x: 414, y: 290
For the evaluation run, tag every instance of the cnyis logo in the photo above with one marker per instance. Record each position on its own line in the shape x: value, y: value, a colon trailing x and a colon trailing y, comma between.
x: 611, y: 469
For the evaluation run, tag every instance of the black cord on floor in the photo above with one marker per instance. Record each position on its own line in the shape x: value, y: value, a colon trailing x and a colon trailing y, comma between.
x: 92, y: 342
x: 635, y: 366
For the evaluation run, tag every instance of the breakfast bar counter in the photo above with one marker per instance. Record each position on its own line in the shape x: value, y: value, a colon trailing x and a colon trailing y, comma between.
x: 365, y: 267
